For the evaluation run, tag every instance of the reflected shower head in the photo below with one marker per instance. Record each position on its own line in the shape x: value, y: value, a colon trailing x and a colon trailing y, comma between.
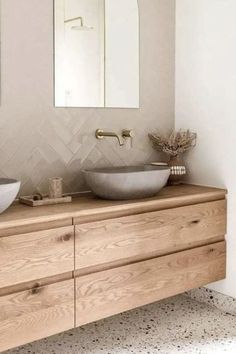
x: 81, y: 26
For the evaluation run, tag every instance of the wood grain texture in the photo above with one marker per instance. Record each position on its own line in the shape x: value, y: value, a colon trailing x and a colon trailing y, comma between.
x: 142, y: 236
x: 36, y: 283
x: 27, y: 226
x: 169, y: 197
x: 86, y: 208
x: 111, y: 292
x: 36, y: 255
x: 35, y: 314
x: 38, y: 258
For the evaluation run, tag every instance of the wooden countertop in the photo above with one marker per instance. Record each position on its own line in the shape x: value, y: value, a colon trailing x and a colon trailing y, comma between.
x: 88, y: 208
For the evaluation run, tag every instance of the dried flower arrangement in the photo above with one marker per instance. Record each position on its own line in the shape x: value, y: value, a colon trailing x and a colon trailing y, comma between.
x: 174, y: 144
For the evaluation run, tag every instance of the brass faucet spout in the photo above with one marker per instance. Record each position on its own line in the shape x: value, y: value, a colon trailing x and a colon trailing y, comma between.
x: 100, y: 134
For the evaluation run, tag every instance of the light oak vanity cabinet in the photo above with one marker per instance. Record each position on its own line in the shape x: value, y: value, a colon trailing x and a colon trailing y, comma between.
x: 68, y: 265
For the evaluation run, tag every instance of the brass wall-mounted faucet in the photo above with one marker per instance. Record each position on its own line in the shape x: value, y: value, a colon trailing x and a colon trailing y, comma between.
x: 100, y: 134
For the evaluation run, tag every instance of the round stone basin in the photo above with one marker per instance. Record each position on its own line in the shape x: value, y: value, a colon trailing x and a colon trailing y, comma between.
x: 9, y: 189
x: 123, y: 183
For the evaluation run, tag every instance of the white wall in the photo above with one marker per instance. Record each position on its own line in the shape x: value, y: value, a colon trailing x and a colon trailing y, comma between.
x: 206, y: 101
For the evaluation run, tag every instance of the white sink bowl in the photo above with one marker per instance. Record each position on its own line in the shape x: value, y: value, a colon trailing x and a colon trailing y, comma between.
x: 9, y: 189
x: 123, y: 183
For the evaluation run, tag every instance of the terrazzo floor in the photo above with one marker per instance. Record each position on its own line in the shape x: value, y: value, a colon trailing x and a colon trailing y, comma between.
x: 176, y: 325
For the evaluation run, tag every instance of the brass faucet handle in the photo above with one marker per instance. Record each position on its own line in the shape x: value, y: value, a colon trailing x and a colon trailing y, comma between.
x: 127, y: 133
x: 99, y: 134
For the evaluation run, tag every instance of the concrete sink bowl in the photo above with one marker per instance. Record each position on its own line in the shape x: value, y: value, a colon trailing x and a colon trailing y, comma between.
x: 123, y: 183
x: 9, y: 189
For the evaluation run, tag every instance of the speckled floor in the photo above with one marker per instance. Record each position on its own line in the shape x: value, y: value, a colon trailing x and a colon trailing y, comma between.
x: 176, y: 325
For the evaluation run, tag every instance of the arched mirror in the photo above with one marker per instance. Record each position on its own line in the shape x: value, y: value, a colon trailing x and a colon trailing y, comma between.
x: 96, y: 53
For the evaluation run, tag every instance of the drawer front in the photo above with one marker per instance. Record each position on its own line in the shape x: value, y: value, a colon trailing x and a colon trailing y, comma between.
x: 142, y: 236
x: 35, y: 314
x: 36, y: 255
x: 107, y: 293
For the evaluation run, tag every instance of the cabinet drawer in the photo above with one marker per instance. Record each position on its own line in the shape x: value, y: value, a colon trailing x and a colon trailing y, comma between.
x: 110, y: 292
x: 36, y: 313
x: 36, y: 255
x: 142, y: 236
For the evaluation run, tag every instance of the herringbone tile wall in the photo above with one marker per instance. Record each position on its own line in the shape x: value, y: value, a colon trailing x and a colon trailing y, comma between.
x: 39, y: 141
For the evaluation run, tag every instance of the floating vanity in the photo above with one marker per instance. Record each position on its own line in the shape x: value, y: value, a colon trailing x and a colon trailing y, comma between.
x: 68, y: 265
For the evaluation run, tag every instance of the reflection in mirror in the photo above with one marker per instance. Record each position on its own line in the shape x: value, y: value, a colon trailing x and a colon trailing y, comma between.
x: 96, y: 53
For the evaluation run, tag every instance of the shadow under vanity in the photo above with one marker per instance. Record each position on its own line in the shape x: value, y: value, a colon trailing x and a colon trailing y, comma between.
x: 65, y: 266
